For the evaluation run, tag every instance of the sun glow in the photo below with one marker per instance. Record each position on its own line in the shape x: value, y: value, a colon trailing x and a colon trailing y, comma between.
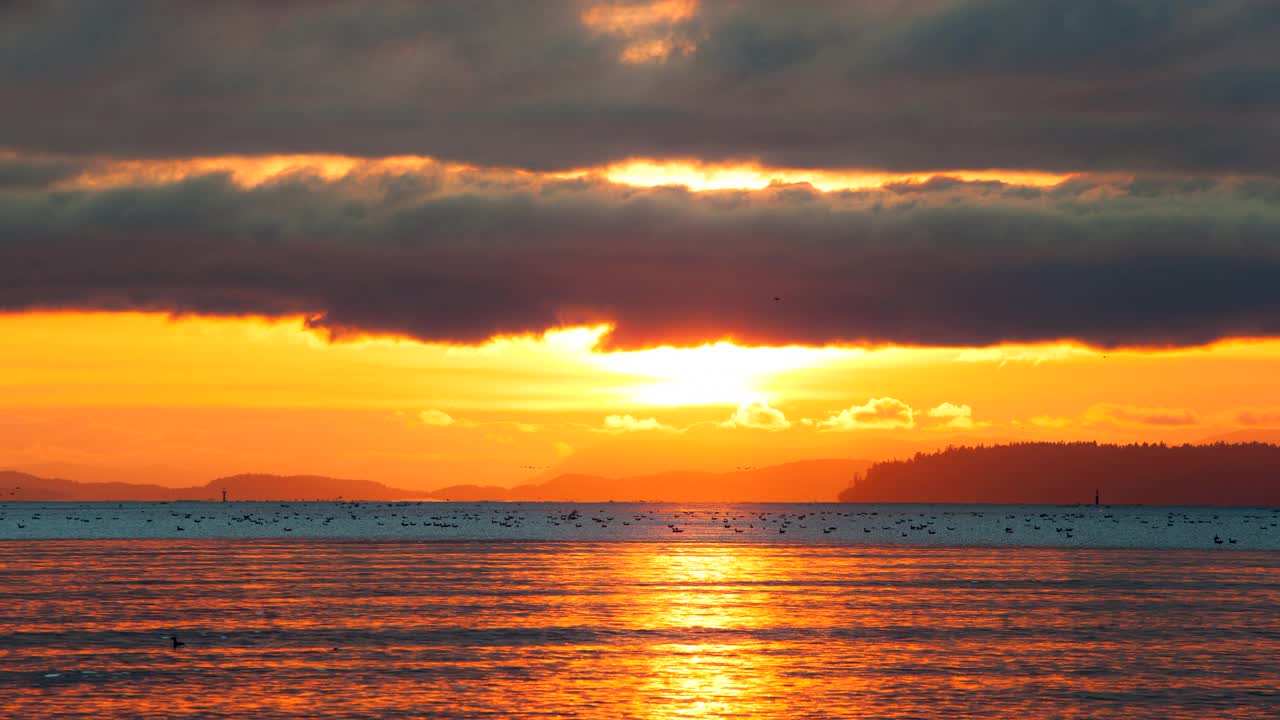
x: 718, y: 374
x: 149, y: 359
x: 701, y: 177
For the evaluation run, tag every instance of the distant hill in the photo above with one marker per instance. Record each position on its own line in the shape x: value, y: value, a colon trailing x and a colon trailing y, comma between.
x: 1064, y: 473
x: 21, y: 486
x: 1270, y: 436
x: 803, y: 481
x: 305, y: 487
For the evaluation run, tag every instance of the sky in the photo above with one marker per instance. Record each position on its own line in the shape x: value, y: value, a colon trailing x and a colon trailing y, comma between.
x: 432, y: 243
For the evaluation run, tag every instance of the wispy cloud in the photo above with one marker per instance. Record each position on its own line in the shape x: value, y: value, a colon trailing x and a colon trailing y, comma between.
x: 1258, y: 417
x: 1134, y: 416
x: 627, y: 423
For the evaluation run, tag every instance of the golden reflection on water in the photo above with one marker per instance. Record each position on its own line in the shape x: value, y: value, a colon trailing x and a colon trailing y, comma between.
x: 632, y: 630
x: 704, y: 587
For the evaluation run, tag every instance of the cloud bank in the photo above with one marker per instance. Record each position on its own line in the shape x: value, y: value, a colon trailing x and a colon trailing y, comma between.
x: 1069, y: 85
x: 458, y: 256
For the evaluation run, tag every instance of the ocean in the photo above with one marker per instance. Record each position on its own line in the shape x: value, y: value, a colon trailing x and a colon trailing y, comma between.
x: 606, y: 611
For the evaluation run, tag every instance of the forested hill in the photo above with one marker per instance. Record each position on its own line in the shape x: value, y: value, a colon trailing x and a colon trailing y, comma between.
x: 1064, y: 473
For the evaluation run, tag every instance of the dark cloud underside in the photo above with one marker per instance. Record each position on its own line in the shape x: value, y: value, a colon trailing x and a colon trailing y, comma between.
x: 1075, y: 85
x: 1152, y: 261
x: 1181, y: 93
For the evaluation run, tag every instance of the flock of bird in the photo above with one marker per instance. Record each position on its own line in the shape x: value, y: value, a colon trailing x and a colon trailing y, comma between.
x: 934, y: 525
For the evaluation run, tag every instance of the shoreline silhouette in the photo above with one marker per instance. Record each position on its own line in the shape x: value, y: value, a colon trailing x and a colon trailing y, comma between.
x: 1033, y: 473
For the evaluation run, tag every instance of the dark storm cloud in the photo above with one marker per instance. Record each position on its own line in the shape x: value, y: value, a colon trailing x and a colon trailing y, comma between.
x: 1078, y: 85
x: 17, y: 172
x: 462, y: 257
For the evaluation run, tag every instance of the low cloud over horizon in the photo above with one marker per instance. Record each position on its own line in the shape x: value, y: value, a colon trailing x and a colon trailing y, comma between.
x: 1141, y: 416
x: 462, y: 256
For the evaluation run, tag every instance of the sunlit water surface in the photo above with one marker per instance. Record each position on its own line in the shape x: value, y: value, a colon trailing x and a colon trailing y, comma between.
x: 372, y: 627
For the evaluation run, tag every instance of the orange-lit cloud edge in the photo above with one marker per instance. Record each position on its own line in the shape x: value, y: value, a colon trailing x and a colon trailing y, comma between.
x: 689, y: 173
x: 600, y: 332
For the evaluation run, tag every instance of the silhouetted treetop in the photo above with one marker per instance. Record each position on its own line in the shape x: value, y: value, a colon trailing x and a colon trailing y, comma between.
x: 1070, y: 472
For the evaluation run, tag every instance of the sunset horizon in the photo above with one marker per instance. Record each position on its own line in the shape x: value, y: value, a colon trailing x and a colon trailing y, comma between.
x: 640, y: 358
x: 154, y: 398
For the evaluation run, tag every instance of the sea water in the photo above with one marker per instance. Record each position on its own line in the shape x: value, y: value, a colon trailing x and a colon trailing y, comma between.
x: 561, y: 610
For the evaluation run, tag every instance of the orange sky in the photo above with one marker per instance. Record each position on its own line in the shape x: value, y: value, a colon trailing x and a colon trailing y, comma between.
x: 145, y: 397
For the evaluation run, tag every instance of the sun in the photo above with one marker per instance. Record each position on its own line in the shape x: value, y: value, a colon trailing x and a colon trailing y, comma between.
x: 716, y: 374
